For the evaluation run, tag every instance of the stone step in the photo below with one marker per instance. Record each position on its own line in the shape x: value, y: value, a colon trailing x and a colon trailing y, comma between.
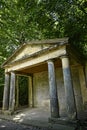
x: 82, y: 115
x: 61, y: 127
x: 64, y: 123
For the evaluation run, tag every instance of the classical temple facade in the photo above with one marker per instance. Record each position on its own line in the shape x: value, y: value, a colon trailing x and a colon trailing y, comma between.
x: 56, y: 75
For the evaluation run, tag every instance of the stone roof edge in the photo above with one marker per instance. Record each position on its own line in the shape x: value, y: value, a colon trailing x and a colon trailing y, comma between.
x: 49, y: 41
x: 59, y: 41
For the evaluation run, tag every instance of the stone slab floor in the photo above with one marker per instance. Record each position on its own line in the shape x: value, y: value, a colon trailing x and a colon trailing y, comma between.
x: 32, y: 119
x: 9, y: 125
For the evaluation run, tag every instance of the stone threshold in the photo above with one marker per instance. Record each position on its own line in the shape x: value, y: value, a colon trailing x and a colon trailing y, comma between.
x: 64, y: 121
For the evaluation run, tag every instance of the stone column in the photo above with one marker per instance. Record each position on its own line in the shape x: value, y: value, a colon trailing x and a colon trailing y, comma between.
x: 12, y: 92
x: 30, y: 91
x: 17, y: 93
x: 6, y: 92
x: 69, y: 93
x: 53, y: 90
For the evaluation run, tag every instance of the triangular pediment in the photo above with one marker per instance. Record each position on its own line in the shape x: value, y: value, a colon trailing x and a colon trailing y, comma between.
x: 29, y: 49
x: 26, y: 51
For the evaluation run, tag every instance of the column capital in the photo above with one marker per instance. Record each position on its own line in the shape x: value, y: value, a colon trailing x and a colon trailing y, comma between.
x: 50, y: 60
x: 64, y: 56
x: 7, y: 73
x: 12, y: 71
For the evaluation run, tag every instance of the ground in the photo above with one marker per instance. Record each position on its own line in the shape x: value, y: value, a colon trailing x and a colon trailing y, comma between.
x: 37, y: 119
x: 9, y: 125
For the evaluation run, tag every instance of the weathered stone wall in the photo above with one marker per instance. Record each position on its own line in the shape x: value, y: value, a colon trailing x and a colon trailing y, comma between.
x: 41, y: 90
x: 83, y: 87
x: 60, y: 89
x: 77, y: 89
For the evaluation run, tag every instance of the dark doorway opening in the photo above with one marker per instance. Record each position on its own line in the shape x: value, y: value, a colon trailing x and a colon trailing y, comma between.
x: 23, y: 91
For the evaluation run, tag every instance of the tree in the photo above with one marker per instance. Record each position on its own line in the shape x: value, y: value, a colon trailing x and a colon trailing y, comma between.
x: 23, y: 20
x: 65, y: 18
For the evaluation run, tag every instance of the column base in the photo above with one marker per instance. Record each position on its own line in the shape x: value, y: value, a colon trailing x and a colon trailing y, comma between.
x: 63, y: 121
x: 7, y: 112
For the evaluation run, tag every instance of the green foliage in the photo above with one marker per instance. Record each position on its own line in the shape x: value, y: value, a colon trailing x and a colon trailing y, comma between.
x: 23, y: 20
